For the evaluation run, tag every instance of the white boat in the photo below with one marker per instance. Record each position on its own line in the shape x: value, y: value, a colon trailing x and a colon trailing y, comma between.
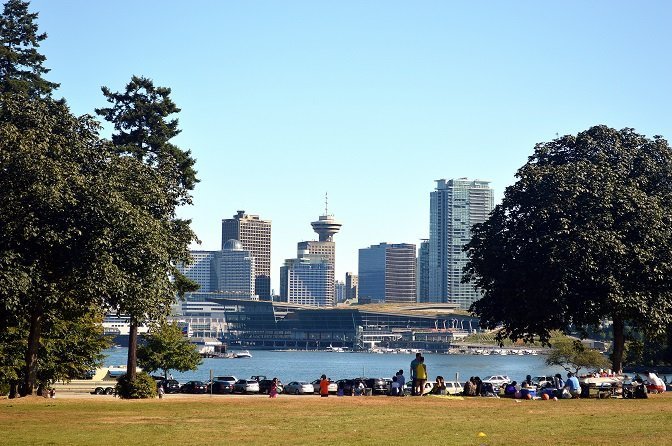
x: 334, y: 349
x: 242, y: 354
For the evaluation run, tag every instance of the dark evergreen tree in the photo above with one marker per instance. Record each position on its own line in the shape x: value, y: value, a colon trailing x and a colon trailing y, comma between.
x: 583, y: 235
x: 141, y: 115
x: 21, y: 68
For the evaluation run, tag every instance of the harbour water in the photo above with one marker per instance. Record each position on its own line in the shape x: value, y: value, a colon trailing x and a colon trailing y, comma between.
x: 309, y: 365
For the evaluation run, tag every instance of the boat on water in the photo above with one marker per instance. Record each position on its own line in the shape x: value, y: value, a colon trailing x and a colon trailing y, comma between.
x: 331, y: 348
x: 242, y: 354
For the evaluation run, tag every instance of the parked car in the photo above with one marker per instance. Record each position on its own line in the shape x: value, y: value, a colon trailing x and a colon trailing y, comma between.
x: 258, y: 378
x: 299, y: 388
x: 265, y: 386
x: 378, y: 386
x: 453, y: 388
x: 333, y: 387
x: 194, y: 387
x: 227, y: 378
x: 348, y: 385
x: 221, y: 387
x: 170, y: 386
x: 246, y: 386
x: 497, y: 380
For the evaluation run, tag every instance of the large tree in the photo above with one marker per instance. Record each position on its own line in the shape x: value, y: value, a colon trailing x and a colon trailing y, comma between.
x: 143, y: 124
x: 21, y: 66
x: 55, y: 212
x: 166, y: 348
x: 583, y: 235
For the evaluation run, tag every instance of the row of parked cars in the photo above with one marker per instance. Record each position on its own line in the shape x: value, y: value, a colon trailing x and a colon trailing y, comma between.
x: 262, y: 384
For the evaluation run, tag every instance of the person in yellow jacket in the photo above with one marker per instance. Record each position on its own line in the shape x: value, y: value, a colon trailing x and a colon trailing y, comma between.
x: 421, y: 375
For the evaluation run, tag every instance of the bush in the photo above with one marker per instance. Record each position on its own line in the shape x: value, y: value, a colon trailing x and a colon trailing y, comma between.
x: 4, y: 389
x: 144, y: 386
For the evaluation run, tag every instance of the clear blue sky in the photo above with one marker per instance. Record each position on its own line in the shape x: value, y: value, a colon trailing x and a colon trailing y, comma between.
x: 370, y: 101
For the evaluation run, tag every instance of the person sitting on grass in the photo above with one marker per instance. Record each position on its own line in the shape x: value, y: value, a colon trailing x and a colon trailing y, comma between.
x: 510, y: 389
x: 573, y: 386
x: 439, y: 387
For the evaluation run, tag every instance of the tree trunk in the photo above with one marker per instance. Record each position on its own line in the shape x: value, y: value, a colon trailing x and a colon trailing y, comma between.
x: 13, y: 389
x: 132, y: 350
x: 30, y: 373
x: 619, y: 345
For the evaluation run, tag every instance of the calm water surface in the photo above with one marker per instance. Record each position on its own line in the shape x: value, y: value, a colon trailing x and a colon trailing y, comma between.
x: 309, y: 365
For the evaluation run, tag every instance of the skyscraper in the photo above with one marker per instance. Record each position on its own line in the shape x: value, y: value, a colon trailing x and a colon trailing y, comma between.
x: 423, y: 271
x: 455, y: 206
x: 255, y: 236
x: 236, y: 270
x: 202, y: 270
x: 351, y: 286
x: 307, y: 280
x: 387, y: 273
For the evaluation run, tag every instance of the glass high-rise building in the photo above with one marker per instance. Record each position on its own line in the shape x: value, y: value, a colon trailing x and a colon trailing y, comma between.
x: 455, y: 206
x: 236, y: 271
x: 423, y: 271
x: 255, y: 236
x: 202, y: 270
x: 387, y: 273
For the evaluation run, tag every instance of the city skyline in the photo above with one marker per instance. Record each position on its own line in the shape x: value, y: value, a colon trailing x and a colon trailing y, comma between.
x: 368, y: 101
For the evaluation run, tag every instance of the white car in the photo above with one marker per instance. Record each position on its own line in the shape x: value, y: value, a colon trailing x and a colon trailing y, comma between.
x: 453, y: 388
x: 498, y: 380
x: 246, y: 386
x: 299, y: 388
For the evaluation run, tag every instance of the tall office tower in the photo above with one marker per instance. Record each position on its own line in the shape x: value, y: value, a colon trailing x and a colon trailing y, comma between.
x: 387, y: 273
x: 307, y: 280
x: 236, y: 271
x: 339, y: 290
x: 455, y: 206
x: 351, y: 286
x: 202, y: 270
x: 255, y: 235
x: 423, y: 271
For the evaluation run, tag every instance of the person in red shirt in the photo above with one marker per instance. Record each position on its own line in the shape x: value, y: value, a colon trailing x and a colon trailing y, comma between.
x: 324, y: 386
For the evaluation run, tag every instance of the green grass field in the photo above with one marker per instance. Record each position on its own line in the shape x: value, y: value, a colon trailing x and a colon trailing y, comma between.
x: 310, y: 420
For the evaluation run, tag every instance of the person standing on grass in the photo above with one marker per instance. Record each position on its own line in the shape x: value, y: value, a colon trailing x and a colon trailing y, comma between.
x: 421, y: 376
x: 273, y: 392
x: 414, y: 366
x: 324, y: 386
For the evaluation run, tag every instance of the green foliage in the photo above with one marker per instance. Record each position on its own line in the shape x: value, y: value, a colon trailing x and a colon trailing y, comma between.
x: 143, y: 129
x: 167, y: 349
x: 54, y: 214
x: 21, y: 67
x: 583, y: 235
x: 573, y: 356
x: 142, y: 387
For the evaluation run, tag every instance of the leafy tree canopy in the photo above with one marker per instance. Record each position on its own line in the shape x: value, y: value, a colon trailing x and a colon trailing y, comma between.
x: 165, y: 348
x: 583, y: 235
x: 572, y: 355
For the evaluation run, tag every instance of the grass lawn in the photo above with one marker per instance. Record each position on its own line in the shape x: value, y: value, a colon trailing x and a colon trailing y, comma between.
x: 311, y: 420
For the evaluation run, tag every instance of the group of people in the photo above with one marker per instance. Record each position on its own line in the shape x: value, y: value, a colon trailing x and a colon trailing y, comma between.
x: 476, y: 387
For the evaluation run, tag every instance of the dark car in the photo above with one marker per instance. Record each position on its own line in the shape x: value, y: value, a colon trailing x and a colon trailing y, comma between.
x: 378, y: 386
x: 220, y: 387
x: 170, y: 386
x: 194, y: 387
x: 265, y: 386
x: 348, y: 385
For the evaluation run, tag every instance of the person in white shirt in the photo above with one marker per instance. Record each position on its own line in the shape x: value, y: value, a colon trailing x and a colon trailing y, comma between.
x: 656, y: 384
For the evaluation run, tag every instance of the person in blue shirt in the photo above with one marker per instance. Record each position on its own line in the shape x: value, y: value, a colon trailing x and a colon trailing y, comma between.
x: 572, y: 385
